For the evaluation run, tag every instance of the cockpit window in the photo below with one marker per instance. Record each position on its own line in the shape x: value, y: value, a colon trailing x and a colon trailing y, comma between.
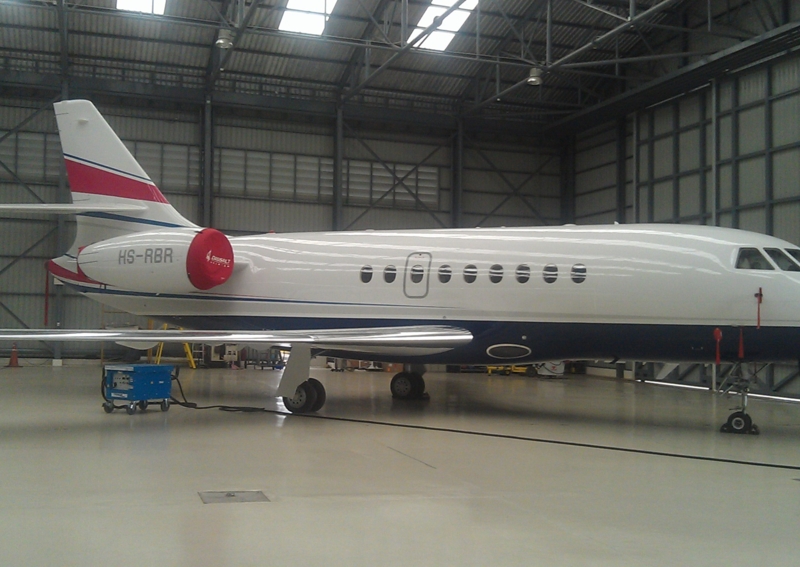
x: 752, y: 259
x: 784, y: 262
x: 794, y: 253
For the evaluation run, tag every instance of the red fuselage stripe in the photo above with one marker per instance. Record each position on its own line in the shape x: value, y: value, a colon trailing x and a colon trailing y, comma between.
x: 61, y: 272
x: 88, y: 179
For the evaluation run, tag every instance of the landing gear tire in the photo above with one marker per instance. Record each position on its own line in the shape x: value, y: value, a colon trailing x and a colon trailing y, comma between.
x: 407, y: 386
x: 740, y: 422
x: 304, y: 399
x: 321, y: 395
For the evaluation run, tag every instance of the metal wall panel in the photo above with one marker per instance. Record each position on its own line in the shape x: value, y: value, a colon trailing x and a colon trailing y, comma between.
x: 786, y: 173
x: 752, y: 181
x: 752, y: 86
x: 786, y: 120
x: 382, y: 219
x: 185, y: 204
x: 787, y: 222
x: 786, y: 76
x: 269, y: 140
x: 752, y: 133
x: 590, y: 204
x: 755, y: 161
x: 596, y: 175
x: 151, y: 125
x: 249, y: 216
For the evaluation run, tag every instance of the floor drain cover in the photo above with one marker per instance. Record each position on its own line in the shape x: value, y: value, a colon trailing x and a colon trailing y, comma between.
x: 232, y: 496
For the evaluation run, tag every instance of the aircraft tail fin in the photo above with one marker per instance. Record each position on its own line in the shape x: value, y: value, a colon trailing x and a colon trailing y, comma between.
x: 106, y: 178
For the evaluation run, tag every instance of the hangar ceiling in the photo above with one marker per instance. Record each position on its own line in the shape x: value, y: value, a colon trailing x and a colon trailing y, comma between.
x: 591, y: 55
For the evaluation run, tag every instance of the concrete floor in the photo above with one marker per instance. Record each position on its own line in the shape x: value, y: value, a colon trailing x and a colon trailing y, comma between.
x: 490, y: 471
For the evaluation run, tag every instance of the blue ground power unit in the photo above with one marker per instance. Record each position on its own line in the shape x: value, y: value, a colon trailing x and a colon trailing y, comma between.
x: 137, y: 385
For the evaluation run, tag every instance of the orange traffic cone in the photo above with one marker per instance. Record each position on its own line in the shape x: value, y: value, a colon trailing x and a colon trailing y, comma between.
x: 13, y: 362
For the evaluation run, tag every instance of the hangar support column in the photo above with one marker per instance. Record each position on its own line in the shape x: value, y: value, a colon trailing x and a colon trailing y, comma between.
x: 63, y: 195
x: 338, y: 161
x: 458, y: 176
x: 622, y: 134
x: 208, y: 160
x: 568, y: 181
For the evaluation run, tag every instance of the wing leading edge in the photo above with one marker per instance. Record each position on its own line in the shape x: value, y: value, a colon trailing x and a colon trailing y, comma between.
x: 409, y: 340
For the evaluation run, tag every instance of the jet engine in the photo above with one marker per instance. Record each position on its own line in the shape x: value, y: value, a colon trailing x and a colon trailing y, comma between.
x: 170, y: 260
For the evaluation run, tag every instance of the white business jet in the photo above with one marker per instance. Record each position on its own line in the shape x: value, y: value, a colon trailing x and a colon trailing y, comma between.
x: 460, y: 296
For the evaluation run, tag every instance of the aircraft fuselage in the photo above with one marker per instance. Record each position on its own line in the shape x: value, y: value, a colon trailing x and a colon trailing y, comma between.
x: 637, y: 292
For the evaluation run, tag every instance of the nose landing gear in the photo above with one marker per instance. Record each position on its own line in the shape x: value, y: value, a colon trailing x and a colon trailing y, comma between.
x: 740, y: 421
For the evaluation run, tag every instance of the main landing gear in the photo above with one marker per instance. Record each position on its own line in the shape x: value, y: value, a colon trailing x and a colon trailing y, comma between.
x: 739, y: 421
x: 309, y: 397
x: 409, y: 385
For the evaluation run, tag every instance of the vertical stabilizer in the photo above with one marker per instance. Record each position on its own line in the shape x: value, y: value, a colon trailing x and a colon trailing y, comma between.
x: 102, y: 172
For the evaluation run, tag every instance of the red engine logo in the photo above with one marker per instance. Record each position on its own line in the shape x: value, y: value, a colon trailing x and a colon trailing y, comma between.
x: 209, y: 262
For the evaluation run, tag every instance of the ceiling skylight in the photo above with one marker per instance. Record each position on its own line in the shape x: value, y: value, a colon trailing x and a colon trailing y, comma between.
x: 144, y: 6
x: 306, y: 16
x: 439, y: 40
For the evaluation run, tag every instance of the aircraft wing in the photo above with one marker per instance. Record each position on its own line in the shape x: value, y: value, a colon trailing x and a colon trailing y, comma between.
x: 410, y: 340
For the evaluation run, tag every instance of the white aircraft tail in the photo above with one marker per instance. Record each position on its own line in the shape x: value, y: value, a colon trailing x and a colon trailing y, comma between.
x: 119, y: 196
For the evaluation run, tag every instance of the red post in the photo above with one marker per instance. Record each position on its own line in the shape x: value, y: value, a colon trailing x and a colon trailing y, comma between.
x: 759, y: 298
x: 718, y: 338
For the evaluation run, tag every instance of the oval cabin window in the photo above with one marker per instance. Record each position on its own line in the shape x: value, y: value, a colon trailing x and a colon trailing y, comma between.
x: 389, y: 274
x: 366, y: 274
x: 496, y: 273
x: 470, y: 273
x: 550, y: 273
x: 445, y: 273
x: 523, y: 273
x: 578, y: 273
x: 417, y: 273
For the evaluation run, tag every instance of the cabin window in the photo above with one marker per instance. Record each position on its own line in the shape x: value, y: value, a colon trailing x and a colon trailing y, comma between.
x: 523, y: 273
x: 389, y: 274
x: 366, y: 274
x: 470, y: 273
x: 550, y: 273
x: 578, y: 273
x: 752, y: 259
x: 496, y: 273
x: 417, y: 273
x: 445, y: 273
x: 784, y: 262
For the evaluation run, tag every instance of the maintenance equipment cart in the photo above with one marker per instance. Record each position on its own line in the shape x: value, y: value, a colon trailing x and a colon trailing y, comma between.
x: 137, y: 385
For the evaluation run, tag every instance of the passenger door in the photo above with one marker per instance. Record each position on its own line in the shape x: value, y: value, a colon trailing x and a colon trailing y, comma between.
x: 417, y: 274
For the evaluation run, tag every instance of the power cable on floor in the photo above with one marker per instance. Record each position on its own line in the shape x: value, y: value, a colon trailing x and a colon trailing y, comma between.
x: 248, y: 409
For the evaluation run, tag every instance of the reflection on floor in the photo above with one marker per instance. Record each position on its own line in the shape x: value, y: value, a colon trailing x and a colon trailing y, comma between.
x: 489, y: 471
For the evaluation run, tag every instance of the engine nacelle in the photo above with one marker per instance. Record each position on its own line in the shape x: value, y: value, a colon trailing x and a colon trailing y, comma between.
x: 172, y: 260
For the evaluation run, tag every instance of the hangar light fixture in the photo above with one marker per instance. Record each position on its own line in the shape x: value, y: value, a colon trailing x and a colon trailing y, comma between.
x: 535, y: 77
x: 224, y: 39
x: 306, y: 16
x: 145, y: 6
x: 439, y: 39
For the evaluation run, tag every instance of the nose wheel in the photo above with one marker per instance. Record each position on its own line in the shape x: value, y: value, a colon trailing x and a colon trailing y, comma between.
x: 739, y: 421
